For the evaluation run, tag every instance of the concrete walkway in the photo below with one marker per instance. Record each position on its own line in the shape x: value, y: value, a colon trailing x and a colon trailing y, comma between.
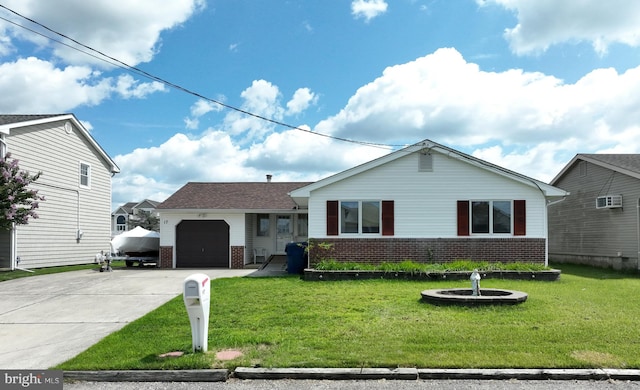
x: 48, y: 319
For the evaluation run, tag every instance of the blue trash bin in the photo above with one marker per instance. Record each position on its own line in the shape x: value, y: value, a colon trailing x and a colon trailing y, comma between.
x: 296, y: 257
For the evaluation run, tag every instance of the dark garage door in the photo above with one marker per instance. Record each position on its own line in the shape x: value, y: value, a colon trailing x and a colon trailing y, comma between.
x: 202, y: 244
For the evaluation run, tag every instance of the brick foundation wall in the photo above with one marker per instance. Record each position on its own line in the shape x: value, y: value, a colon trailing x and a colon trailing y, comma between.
x: 430, y: 250
x: 237, y: 257
x: 166, y: 257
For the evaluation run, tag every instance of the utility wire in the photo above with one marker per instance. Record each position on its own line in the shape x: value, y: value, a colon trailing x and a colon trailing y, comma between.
x: 116, y: 62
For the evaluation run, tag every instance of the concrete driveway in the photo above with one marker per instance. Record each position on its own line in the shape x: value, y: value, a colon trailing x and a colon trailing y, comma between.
x: 48, y: 319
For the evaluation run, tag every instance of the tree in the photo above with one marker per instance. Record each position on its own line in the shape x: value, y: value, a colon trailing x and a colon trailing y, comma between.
x: 145, y: 219
x: 17, y: 201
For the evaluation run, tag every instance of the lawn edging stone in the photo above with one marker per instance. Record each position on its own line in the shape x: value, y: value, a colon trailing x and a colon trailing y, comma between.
x: 312, y: 274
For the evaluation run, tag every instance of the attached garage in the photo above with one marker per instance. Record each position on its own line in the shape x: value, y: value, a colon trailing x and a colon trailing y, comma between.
x: 202, y: 244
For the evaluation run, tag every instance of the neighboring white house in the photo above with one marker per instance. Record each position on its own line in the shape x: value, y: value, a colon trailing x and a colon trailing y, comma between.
x: 128, y: 212
x: 426, y: 202
x: 74, y: 220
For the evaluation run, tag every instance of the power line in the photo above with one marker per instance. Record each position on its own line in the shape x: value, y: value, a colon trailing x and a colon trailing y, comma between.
x: 116, y: 62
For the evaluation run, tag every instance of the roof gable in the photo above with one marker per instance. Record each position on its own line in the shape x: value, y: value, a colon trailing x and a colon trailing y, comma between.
x: 233, y: 196
x: 430, y: 147
x: 628, y: 164
x: 8, y: 122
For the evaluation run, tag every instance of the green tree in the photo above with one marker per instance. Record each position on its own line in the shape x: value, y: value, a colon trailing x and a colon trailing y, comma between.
x: 146, y: 220
x: 17, y: 201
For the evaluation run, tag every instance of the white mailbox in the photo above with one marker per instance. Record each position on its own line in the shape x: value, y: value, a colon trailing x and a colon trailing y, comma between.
x: 197, y: 298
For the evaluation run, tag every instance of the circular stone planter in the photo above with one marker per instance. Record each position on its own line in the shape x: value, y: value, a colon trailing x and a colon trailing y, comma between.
x: 464, y: 297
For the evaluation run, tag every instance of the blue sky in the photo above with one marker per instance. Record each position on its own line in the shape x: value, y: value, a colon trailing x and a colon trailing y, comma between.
x: 523, y: 84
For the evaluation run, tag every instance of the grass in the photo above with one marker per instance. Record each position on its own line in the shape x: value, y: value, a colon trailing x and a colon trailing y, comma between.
x: 586, y: 319
x: 415, y: 267
x: 17, y: 274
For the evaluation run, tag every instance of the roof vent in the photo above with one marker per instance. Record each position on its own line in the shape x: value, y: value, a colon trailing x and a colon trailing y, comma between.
x: 609, y: 202
x: 269, y: 178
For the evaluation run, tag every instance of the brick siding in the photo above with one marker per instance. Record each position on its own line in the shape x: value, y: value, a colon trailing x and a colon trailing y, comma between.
x: 166, y: 257
x: 430, y: 250
x: 237, y: 257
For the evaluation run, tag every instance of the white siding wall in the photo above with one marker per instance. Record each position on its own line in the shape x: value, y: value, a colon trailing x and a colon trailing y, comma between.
x: 51, y: 239
x: 425, y: 202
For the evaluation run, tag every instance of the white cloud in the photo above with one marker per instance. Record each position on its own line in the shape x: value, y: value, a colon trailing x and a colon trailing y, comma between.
x: 127, y: 87
x: 293, y: 155
x: 543, y: 23
x: 449, y: 100
x: 198, y: 109
x: 130, y: 34
x: 34, y: 85
x: 301, y: 100
x: 368, y: 9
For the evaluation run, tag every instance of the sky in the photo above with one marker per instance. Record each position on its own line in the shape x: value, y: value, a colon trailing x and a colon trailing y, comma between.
x: 165, y: 90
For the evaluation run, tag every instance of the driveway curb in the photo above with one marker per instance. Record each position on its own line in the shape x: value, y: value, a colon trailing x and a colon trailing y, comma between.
x: 221, y: 375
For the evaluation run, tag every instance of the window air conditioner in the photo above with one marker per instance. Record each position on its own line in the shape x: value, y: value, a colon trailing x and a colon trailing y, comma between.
x: 609, y: 202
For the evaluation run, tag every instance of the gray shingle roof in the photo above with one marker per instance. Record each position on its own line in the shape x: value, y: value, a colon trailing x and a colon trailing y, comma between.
x: 629, y: 162
x: 233, y: 196
x: 8, y: 119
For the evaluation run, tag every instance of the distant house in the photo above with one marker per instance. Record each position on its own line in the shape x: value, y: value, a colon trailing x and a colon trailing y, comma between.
x: 124, y: 216
x: 426, y: 202
x: 74, y: 220
x: 598, y: 223
x: 228, y: 224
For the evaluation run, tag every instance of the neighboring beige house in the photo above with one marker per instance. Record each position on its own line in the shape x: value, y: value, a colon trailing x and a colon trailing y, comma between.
x: 74, y: 220
x: 123, y: 215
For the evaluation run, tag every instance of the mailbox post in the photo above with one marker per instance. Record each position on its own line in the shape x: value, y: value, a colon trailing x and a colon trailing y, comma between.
x: 197, y: 297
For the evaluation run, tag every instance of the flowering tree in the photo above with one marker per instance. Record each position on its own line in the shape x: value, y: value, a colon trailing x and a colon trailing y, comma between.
x: 17, y: 201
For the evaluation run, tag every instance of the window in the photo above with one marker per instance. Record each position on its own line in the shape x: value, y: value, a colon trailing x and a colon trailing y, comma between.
x: 85, y: 175
x: 489, y: 217
x: 303, y: 225
x: 492, y: 217
x: 360, y: 217
x: 263, y: 225
x: 121, y: 223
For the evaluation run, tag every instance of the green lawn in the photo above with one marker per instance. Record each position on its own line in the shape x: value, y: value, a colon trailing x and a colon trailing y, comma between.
x: 587, y: 319
x: 17, y: 274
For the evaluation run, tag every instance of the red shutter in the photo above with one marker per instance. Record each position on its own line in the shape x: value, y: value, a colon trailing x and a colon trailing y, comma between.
x: 387, y: 218
x: 463, y: 217
x: 519, y: 218
x: 332, y: 218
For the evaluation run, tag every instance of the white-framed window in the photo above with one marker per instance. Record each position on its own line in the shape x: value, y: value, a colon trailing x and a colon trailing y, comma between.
x: 360, y: 217
x: 121, y: 223
x: 85, y: 175
x: 491, y: 217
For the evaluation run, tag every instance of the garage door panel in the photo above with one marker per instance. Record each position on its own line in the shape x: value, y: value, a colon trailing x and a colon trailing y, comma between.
x: 202, y: 244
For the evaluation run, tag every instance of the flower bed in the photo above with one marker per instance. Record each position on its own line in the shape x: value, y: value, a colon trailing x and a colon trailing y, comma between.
x: 311, y: 274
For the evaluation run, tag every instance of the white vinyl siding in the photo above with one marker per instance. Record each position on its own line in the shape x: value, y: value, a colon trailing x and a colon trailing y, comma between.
x: 425, y: 202
x: 51, y: 239
x: 85, y: 175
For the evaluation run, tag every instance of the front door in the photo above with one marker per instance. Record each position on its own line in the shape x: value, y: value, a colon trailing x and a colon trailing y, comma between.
x: 284, y: 232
